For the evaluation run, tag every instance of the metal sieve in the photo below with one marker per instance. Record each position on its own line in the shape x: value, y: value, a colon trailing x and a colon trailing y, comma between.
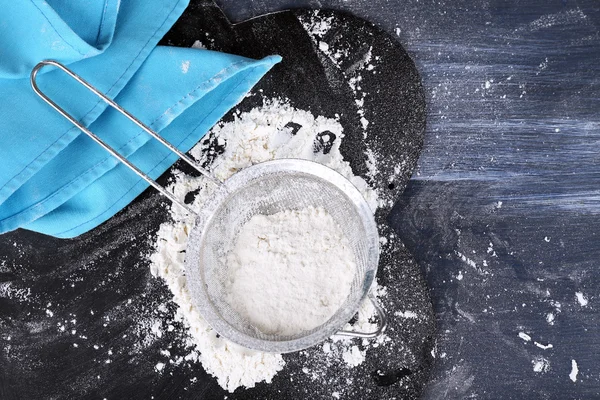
x: 264, y: 188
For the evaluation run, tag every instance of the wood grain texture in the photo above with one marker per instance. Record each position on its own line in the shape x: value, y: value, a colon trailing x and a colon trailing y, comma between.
x: 513, y: 91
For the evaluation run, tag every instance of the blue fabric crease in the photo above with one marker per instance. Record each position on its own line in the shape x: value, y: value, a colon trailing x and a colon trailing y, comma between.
x: 54, y: 179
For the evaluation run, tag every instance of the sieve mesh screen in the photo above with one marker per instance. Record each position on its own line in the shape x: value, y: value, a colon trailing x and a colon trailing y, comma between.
x: 266, y: 189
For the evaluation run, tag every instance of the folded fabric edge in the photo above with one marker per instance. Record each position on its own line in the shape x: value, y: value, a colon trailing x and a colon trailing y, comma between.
x: 72, y: 188
x: 47, y: 223
x: 71, y: 38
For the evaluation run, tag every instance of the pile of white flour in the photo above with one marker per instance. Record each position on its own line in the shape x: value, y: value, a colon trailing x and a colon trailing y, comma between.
x: 275, y: 130
x: 289, y: 272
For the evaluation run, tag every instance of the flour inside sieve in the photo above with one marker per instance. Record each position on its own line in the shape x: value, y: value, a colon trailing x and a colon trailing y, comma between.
x: 289, y: 272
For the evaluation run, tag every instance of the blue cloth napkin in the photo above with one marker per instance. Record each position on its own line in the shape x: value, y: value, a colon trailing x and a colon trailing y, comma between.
x: 53, y: 178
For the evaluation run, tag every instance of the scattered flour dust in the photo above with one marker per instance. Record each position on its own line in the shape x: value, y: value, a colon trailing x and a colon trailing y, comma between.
x: 300, y: 253
x: 574, y: 371
x: 198, y: 45
x: 525, y: 336
x: 583, y: 301
x: 275, y: 130
x: 406, y: 314
x: 354, y: 357
x: 540, y: 365
x: 185, y: 66
x: 317, y: 27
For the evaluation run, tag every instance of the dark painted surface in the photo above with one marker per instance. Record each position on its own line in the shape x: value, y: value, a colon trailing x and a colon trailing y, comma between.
x: 83, y: 318
x: 530, y: 140
x: 513, y: 92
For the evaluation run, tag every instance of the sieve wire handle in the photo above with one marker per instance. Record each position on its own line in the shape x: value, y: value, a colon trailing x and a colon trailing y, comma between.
x: 382, y: 323
x: 132, y: 118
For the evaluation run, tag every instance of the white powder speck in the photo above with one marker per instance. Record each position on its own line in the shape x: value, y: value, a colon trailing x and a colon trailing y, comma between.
x: 550, y: 318
x: 185, y: 66
x: 11, y: 291
x: 556, y: 305
x: 318, y: 26
x: 324, y: 47
x: 371, y: 164
x: 583, y: 301
x: 198, y: 45
x: 467, y: 260
x: 335, y: 395
x: 353, y: 356
x: 156, y: 328
x: 543, y: 346
x: 459, y: 276
x: 406, y: 314
x: 547, y: 239
x: 255, y: 136
x: 540, y: 364
x: 524, y: 336
x: 574, y: 371
x: 364, y: 122
x: 488, y: 84
x: 159, y: 366
x: 49, y: 313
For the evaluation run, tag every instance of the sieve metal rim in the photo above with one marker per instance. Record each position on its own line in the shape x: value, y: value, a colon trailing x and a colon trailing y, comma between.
x: 199, y: 233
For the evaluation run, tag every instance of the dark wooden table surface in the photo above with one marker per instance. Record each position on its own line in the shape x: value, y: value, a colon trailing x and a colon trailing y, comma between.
x: 503, y: 212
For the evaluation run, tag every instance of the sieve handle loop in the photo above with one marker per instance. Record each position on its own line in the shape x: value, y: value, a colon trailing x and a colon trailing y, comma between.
x: 132, y: 118
x: 382, y: 323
